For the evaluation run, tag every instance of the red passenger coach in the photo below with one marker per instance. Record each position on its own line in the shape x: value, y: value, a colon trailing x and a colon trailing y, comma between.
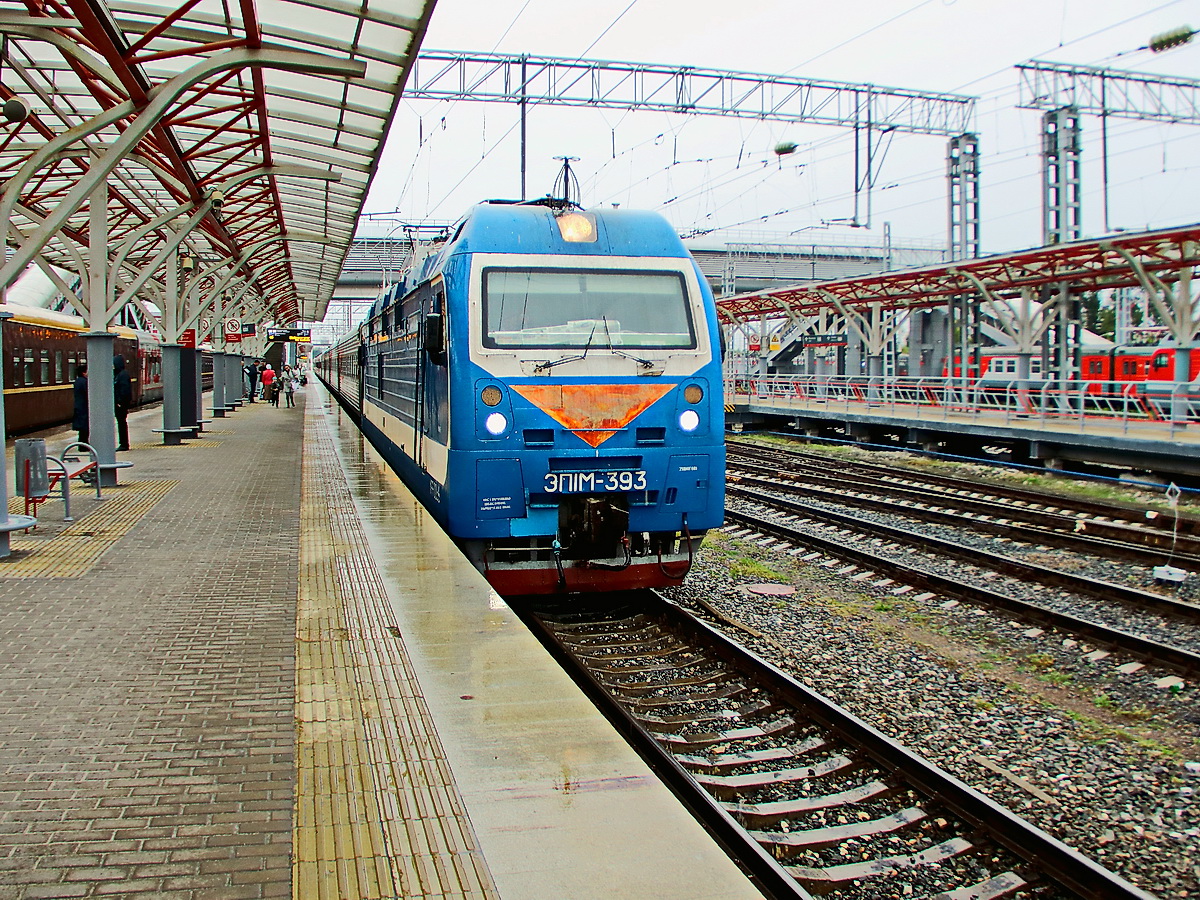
x: 1115, y: 364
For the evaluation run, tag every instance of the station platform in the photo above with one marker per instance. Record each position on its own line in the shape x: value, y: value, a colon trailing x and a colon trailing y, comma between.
x: 256, y: 668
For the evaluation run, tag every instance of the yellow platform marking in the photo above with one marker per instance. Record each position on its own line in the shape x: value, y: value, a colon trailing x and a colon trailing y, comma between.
x: 377, y: 812
x: 195, y: 442
x: 77, y: 547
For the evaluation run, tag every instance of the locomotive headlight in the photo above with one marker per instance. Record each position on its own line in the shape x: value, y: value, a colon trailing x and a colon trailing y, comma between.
x: 496, y: 423
x: 689, y: 420
x: 491, y: 395
x: 577, y: 228
x: 693, y: 393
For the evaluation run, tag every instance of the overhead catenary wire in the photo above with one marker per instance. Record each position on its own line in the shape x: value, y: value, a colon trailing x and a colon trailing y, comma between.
x: 675, y: 193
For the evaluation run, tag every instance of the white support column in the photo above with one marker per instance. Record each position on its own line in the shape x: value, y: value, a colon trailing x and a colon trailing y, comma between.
x: 102, y: 432
x: 178, y: 267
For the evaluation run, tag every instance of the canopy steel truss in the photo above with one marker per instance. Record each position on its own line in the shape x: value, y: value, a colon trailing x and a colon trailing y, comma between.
x: 264, y: 121
x: 1159, y: 258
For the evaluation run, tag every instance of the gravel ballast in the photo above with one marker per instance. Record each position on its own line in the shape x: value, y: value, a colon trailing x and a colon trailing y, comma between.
x: 1105, y: 760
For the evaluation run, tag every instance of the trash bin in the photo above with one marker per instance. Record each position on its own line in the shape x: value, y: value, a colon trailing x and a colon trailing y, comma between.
x: 30, y: 458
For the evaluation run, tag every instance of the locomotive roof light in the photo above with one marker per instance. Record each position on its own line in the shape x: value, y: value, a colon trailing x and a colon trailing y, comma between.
x: 577, y: 227
x: 689, y: 420
x: 496, y: 424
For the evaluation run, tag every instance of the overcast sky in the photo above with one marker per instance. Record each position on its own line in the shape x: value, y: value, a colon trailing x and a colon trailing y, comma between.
x: 721, y: 177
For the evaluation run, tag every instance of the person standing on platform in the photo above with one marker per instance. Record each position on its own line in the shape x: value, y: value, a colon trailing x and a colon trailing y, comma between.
x: 251, y: 380
x: 270, y: 394
x: 80, y: 420
x: 289, y: 389
x: 123, y: 399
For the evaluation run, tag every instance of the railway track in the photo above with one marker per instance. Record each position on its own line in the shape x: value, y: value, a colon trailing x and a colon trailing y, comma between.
x: 835, y: 536
x: 1051, y: 529
x: 808, y: 798
x: 1120, y: 530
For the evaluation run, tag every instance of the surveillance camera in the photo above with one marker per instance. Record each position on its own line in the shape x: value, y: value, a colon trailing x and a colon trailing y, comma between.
x: 218, y: 199
x: 15, y: 110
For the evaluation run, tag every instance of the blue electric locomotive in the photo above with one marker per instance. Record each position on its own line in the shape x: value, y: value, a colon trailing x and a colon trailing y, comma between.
x: 548, y: 383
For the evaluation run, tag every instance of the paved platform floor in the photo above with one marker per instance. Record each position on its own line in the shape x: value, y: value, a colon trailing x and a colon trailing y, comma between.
x: 256, y: 669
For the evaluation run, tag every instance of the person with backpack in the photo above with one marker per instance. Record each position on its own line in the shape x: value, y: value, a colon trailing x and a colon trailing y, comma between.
x: 123, y: 399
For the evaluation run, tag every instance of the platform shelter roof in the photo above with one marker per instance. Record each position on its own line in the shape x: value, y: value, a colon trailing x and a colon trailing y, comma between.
x: 1083, y: 265
x: 258, y: 123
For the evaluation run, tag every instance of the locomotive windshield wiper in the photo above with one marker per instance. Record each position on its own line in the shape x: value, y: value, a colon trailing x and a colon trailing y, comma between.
x: 644, y: 363
x: 548, y: 365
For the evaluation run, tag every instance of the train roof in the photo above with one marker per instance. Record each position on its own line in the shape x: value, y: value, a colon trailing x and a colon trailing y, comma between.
x: 499, y: 227
x: 36, y: 315
x: 506, y: 226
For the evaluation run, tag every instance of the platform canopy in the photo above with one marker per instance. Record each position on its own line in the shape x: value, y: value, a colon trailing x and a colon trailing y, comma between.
x: 253, y: 126
x: 1155, y: 258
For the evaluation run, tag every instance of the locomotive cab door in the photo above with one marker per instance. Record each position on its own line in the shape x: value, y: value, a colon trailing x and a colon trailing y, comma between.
x: 433, y: 381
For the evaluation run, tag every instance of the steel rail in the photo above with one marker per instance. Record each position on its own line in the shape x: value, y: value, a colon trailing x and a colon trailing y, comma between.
x: 1047, y: 857
x: 1188, y: 524
x: 1161, y: 654
x: 750, y: 856
x: 1059, y: 530
x: 1092, y: 587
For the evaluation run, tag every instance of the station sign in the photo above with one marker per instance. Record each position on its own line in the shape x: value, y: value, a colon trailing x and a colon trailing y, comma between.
x: 187, y: 338
x: 249, y: 328
x: 233, y: 330
x: 291, y: 335
x: 823, y: 340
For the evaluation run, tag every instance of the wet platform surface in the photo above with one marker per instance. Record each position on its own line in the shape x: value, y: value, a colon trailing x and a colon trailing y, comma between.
x: 257, y: 669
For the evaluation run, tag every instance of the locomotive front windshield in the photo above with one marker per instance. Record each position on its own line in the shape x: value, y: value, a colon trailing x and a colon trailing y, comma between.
x: 578, y: 308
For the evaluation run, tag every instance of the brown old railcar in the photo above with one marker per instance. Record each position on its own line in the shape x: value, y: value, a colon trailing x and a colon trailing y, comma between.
x: 42, y: 350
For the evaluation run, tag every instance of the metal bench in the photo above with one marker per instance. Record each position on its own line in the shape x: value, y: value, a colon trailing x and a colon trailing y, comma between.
x: 60, y: 470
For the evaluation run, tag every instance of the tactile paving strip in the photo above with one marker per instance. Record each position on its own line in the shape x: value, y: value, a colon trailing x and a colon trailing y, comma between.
x: 377, y: 811
x: 77, y: 548
x: 189, y: 442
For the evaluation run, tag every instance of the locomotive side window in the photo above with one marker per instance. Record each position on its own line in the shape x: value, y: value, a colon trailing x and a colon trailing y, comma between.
x: 45, y: 360
x: 28, y: 367
x: 573, y: 309
x: 59, y: 367
x: 1129, y: 367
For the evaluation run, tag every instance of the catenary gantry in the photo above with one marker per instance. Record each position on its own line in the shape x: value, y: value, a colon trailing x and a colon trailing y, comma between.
x: 241, y: 136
